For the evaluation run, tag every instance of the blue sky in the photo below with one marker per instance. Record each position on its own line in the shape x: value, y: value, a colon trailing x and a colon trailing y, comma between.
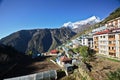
x: 29, y: 14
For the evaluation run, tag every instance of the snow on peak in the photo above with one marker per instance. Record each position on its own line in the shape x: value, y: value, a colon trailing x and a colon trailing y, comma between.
x: 91, y: 20
x: 67, y: 24
x: 94, y: 18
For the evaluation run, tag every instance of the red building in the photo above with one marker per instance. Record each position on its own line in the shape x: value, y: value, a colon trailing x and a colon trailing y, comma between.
x: 54, y: 52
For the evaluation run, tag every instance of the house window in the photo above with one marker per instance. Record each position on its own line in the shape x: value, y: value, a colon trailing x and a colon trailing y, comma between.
x: 95, y: 42
x: 109, y: 48
x: 111, y: 36
x: 113, y: 48
x: 96, y: 47
x: 110, y: 42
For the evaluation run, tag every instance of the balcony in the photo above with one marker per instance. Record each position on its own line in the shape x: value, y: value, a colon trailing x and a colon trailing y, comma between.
x: 112, y: 51
x: 96, y: 44
x: 95, y: 39
x: 112, y: 54
x: 111, y: 45
x: 111, y: 39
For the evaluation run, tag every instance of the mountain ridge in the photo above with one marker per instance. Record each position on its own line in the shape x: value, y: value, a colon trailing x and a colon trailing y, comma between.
x: 37, y: 40
x: 79, y: 24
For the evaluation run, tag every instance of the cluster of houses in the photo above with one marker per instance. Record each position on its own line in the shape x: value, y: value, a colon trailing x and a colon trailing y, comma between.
x: 65, y: 58
x: 104, y: 40
x: 107, y: 41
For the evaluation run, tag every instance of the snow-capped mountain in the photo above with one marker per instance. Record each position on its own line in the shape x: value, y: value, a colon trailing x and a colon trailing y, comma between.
x: 90, y: 21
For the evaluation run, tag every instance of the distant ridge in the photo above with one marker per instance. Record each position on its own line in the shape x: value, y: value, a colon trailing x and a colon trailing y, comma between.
x: 80, y: 25
x: 37, y: 40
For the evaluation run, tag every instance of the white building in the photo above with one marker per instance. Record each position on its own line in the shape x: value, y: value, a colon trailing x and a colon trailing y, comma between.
x: 107, y: 43
x: 114, y: 23
x: 86, y: 41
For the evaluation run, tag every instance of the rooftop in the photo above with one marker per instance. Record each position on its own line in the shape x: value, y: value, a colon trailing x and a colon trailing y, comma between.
x: 64, y: 58
x: 103, y: 32
x: 107, y: 31
x: 113, y: 19
x: 54, y: 51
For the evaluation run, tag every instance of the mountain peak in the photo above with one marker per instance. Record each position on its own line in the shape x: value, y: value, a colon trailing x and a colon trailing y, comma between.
x: 94, y: 18
x: 74, y: 25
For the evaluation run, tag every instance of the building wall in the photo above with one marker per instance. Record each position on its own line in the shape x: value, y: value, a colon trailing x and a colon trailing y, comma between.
x: 95, y: 43
x: 112, y: 44
x: 91, y: 43
x: 103, y: 44
x: 118, y: 23
x: 100, y: 44
x: 87, y: 42
x: 107, y: 44
x: 117, y: 37
x: 113, y: 23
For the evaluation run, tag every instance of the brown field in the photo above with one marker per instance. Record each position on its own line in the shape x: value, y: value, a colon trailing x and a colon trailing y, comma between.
x: 101, y: 66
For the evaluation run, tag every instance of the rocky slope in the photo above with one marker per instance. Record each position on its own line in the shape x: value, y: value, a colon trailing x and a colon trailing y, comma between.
x: 9, y: 55
x: 37, y: 40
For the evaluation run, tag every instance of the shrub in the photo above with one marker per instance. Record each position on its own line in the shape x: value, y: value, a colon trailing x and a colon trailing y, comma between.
x: 114, y: 75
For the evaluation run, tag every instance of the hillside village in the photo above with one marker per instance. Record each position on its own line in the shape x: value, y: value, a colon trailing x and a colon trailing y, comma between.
x: 90, y: 56
x: 103, y: 40
x: 60, y: 40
